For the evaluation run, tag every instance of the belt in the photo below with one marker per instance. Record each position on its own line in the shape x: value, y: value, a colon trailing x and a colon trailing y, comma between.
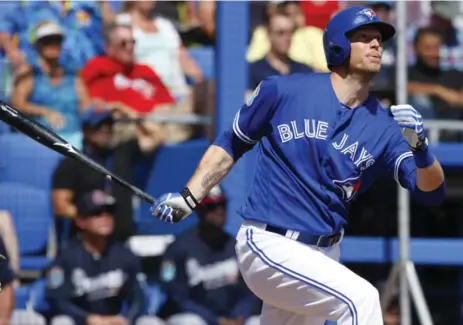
x: 313, y: 240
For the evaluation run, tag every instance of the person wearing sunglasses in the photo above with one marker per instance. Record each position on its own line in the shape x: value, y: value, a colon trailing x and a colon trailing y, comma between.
x: 200, y: 276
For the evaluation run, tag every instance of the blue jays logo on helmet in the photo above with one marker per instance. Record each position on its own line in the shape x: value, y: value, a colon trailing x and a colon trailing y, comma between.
x: 368, y: 12
x: 349, y: 187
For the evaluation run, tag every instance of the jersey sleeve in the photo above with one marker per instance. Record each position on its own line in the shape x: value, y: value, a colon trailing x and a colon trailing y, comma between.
x: 252, y: 121
x: 399, y: 158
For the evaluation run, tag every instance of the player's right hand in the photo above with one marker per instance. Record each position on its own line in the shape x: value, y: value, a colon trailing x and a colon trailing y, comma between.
x: 171, y: 208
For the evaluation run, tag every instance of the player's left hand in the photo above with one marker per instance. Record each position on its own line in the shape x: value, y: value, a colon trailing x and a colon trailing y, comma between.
x: 411, y: 122
x: 171, y: 208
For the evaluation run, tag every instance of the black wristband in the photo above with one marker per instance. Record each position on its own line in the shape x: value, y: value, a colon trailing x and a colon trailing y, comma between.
x: 189, y: 198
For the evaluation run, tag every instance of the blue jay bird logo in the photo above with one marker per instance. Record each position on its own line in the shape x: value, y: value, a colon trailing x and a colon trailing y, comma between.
x: 368, y: 12
x: 349, y: 187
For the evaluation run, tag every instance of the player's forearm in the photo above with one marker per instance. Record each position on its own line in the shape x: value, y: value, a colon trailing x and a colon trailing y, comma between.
x: 213, y: 167
x: 430, y: 178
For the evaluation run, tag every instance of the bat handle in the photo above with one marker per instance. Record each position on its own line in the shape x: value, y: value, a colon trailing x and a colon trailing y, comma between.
x: 146, y: 197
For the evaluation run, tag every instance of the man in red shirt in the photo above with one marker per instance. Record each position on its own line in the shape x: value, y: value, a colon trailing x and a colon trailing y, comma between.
x: 117, y: 78
x: 129, y: 87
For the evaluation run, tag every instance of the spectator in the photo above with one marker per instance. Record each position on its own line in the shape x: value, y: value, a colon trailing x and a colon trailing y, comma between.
x: 435, y: 92
x: 306, y: 43
x: 80, y: 19
x: 93, y: 278
x: 119, y: 81
x: 49, y: 92
x: 160, y: 47
x: 277, y: 61
x: 72, y: 179
x: 8, y: 314
x: 442, y: 15
x: 200, y: 273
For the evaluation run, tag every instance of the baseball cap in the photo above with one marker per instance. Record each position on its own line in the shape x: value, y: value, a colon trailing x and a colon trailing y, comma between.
x: 214, y: 196
x: 47, y: 29
x: 95, y: 115
x: 95, y: 202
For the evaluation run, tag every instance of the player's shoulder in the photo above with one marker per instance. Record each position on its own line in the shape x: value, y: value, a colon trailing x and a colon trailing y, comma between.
x: 122, y: 252
x: 70, y: 249
x: 183, y: 241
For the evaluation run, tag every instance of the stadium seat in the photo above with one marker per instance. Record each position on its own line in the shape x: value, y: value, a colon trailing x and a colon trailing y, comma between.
x: 32, y: 217
x: 166, y: 177
x: 22, y: 160
x: 205, y: 58
x: 37, y: 301
x: 21, y: 296
x: 4, y: 128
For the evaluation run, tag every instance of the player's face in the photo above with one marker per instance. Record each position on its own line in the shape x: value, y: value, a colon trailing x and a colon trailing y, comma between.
x: 280, y: 32
x: 101, y: 224
x: 215, y: 215
x: 366, y: 51
x: 427, y: 50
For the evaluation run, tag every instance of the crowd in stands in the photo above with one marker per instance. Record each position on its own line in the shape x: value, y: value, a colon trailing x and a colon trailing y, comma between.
x: 99, y: 72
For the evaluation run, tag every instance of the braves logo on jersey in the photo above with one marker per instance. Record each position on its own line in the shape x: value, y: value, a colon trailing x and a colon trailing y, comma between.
x: 349, y: 187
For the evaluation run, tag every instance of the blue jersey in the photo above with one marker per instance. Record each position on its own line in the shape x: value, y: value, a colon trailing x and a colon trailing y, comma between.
x: 314, y: 154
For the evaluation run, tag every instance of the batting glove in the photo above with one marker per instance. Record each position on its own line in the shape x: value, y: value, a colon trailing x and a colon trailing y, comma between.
x: 411, y: 122
x: 174, y: 207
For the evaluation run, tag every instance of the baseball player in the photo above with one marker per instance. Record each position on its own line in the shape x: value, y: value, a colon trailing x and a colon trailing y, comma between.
x: 321, y: 139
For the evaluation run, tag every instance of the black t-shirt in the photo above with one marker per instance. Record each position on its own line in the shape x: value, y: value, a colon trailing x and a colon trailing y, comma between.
x: 80, y: 179
x: 450, y: 79
x: 261, y: 69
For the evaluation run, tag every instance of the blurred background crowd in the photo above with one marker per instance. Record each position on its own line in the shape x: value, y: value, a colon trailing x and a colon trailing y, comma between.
x: 129, y: 83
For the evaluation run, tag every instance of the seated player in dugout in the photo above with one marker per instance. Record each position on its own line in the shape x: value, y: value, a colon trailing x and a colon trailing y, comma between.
x: 200, y: 273
x: 96, y: 281
x: 72, y: 179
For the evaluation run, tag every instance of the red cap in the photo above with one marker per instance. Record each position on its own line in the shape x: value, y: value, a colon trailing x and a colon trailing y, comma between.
x: 215, y: 195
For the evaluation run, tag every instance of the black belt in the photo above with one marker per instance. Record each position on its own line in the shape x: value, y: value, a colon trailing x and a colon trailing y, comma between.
x: 319, y: 241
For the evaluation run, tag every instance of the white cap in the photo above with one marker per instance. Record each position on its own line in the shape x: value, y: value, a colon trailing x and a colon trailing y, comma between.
x: 48, y: 29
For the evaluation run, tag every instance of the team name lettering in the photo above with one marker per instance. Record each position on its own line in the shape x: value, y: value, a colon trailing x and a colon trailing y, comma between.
x: 312, y: 129
x: 363, y: 160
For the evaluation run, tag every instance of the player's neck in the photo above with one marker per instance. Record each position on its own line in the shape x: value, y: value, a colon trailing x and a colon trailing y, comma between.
x: 351, y: 90
x: 94, y: 244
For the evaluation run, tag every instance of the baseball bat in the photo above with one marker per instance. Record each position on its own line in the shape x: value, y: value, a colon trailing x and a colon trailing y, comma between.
x: 50, y: 139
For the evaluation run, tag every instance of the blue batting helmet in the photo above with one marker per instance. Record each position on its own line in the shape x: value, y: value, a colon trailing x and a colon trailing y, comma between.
x: 335, y: 40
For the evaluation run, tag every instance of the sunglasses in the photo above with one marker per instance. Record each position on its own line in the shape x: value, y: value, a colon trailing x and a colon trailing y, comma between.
x: 126, y: 43
x: 282, y: 32
x: 51, y: 40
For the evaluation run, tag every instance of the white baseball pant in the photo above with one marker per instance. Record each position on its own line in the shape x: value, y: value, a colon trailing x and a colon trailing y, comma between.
x: 303, y: 285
